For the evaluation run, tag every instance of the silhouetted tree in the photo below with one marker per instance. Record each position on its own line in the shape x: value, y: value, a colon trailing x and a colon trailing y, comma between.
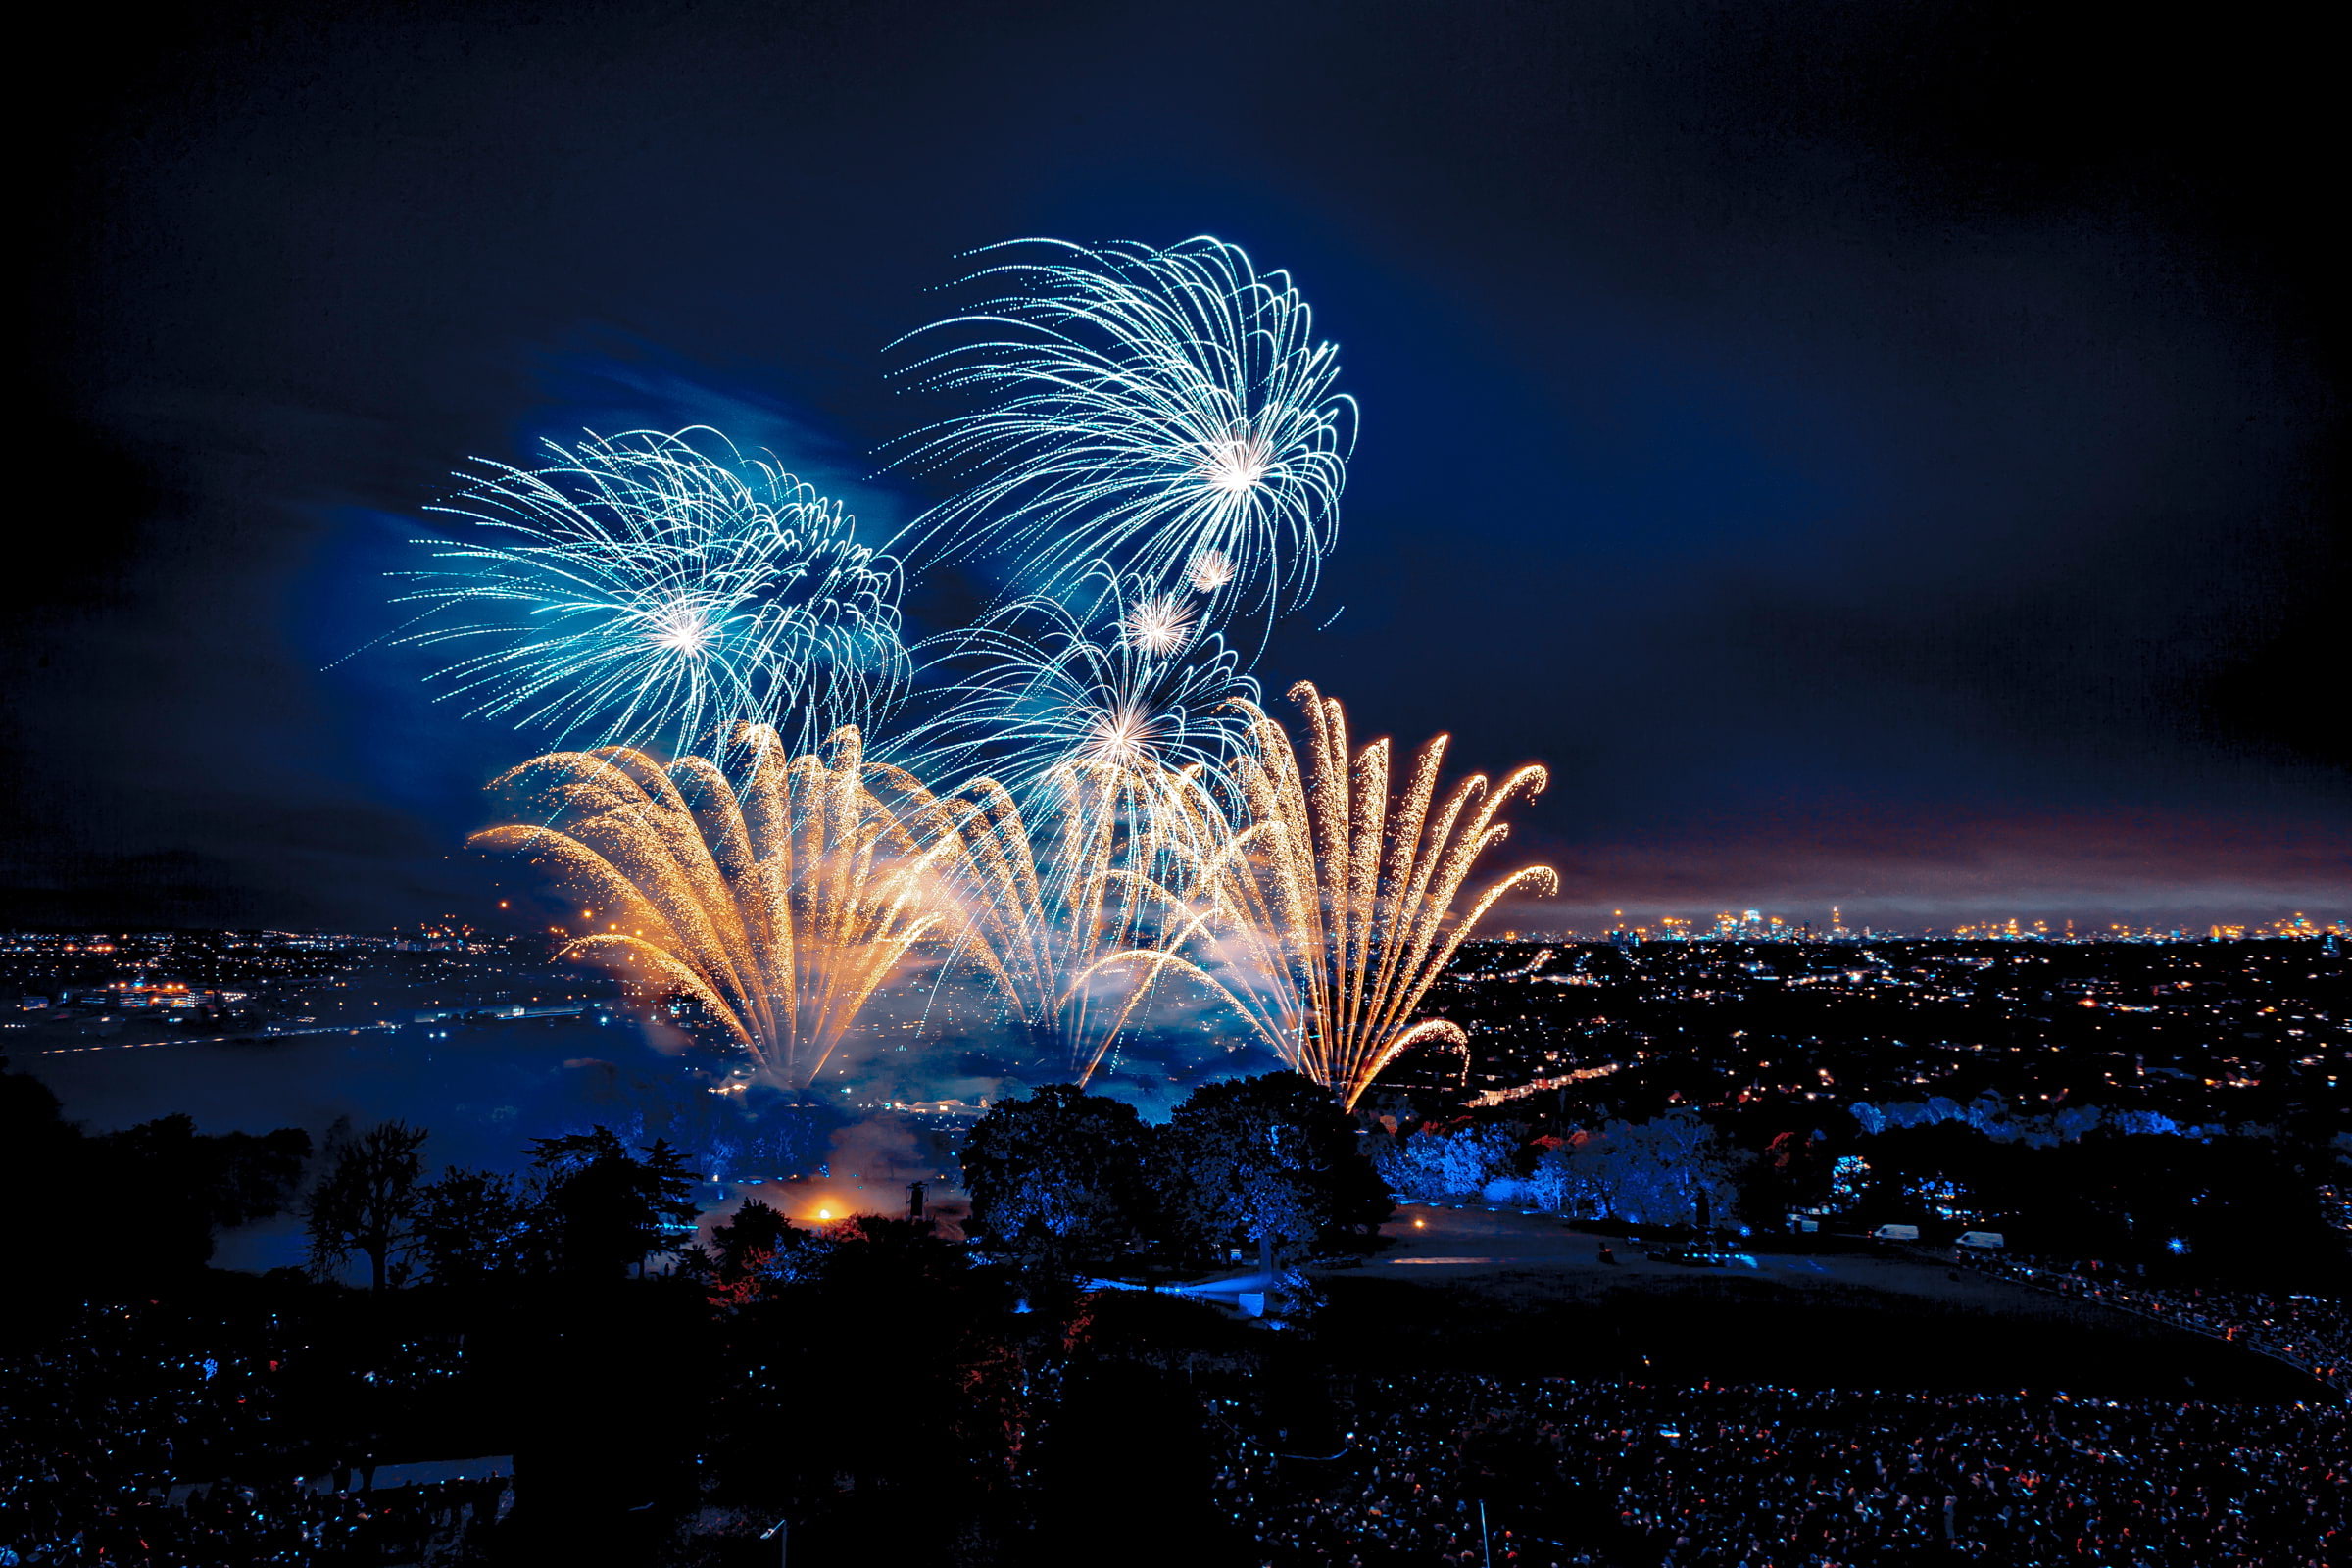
x: 1673, y: 1169
x: 1271, y: 1161
x: 758, y: 1247
x: 251, y: 1176
x: 908, y: 1349
x: 1455, y: 1163
x: 603, y: 1210
x: 468, y: 1227
x: 1058, y: 1177
x: 41, y: 1158
x: 182, y: 1185
x: 367, y: 1201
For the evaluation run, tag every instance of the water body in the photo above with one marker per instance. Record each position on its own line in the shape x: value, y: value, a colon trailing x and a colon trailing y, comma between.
x: 485, y: 1090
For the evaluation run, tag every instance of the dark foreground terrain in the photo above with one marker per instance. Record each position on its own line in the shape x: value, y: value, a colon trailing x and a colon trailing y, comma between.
x: 1510, y: 1295
x: 1484, y: 1390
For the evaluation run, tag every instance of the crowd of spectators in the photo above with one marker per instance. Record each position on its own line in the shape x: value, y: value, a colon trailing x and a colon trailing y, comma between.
x: 111, y: 1441
x: 231, y: 1526
x: 2309, y: 1332
x: 115, y: 1442
x: 1548, y: 1473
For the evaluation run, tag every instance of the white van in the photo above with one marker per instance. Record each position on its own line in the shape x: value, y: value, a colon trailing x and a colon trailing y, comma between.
x: 1896, y: 1233
x: 1988, y: 1241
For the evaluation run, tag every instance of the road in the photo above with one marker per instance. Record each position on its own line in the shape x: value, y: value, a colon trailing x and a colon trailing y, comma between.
x: 1459, y: 1243
x: 245, y: 1037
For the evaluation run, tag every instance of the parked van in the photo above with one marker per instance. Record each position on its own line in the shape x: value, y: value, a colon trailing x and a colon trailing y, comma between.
x: 1988, y: 1241
x: 1896, y: 1233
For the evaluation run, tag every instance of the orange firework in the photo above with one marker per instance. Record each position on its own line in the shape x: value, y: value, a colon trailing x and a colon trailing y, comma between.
x: 1045, y: 898
x: 780, y: 902
x: 1333, y: 908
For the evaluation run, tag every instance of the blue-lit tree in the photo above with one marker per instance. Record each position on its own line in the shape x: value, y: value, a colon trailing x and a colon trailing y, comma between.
x: 1057, y: 1178
x: 1670, y: 1170
x: 1270, y: 1160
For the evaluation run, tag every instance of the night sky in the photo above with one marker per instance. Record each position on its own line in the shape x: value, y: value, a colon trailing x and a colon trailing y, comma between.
x: 1876, y: 454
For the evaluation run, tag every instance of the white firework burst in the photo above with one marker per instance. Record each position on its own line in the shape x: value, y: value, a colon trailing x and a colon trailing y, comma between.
x: 650, y: 588
x: 1041, y: 682
x: 1158, y: 625
x: 1211, y: 571
x: 1167, y: 412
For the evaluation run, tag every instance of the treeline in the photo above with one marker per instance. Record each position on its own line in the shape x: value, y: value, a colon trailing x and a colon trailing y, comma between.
x: 141, y: 1204
x: 151, y: 1200
x: 1263, y: 1168
x: 1673, y: 1169
x: 589, y: 1206
x: 2250, y: 1207
x: 1062, y: 1183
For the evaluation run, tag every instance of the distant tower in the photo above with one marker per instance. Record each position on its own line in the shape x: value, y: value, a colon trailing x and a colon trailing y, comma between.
x: 914, y: 1202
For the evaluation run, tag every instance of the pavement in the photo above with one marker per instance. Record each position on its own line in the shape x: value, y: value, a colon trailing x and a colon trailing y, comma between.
x: 242, y: 1037
x: 1442, y: 1243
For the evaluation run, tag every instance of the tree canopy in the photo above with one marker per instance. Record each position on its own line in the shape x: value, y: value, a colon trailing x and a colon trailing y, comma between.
x: 1271, y: 1161
x: 1065, y: 1177
x: 603, y: 1210
x: 366, y: 1201
x: 1060, y: 1177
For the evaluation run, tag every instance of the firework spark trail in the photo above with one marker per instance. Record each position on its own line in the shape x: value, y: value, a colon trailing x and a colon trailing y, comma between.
x: 652, y: 588
x: 1315, y: 900
x: 1108, y: 858
x: 1331, y: 913
x: 1167, y: 410
x: 1038, y: 683
x: 780, y: 902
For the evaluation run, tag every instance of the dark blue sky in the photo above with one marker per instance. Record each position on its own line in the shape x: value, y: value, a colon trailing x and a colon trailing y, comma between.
x: 1875, y: 455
